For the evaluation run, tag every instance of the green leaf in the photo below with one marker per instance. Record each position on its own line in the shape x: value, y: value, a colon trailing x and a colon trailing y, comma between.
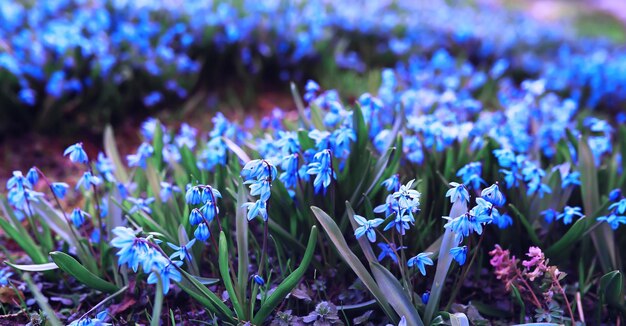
x: 443, y: 263
x: 25, y: 242
x: 157, y: 307
x: 335, y: 236
x: 289, y: 283
x: 299, y: 105
x: 74, y: 268
x: 42, y: 301
x: 34, y: 267
x: 206, y: 297
x: 611, y: 288
x: 603, y: 238
x: 243, y: 254
x: 224, y: 272
x: 395, y: 294
x: 527, y: 225
x: 110, y: 148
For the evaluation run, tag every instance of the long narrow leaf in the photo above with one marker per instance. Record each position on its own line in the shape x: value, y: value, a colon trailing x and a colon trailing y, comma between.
x: 225, y: 273
x: 395, y: 294
x: 334, y: 234
x: 290, y: 282
x: 74, y: 268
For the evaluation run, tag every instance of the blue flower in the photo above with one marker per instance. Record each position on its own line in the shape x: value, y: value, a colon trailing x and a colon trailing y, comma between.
x: 389, y: 207
x: 549, y: 215
x: 569, y: 213
x: 76, y: 153
x: 613, y: 220
x: 258, y: 280
x: 615, y: 195
x: 493, y: 195
x: 255, y: 209
x: 503, y: 221
x: 138, y: 159
x: 388, y: 251
x: 4, y: 277
x: 367, y: 227
x: 420, y: 261
x: 86, y: 321
x: 459, y: 254
x: 322, y: 169
x: 140, y: 204
x: 59, y: 189
x: 193, y: 196
x: 105, y: 167
x: 18, y: 181
x: 407, y: 198
x: 252, y: 170
x: 182, y: 252
x: 619, y: 207
x: 425, y: 297
x: 195, y: 217
x: 131, y: 250
x: 78, y: 217
x: 202, y: 233
x: 392, y: 183
x: 167, y: 189
x: 32, y: 176
x: 470, y: 173
x: 402, y: 222
x: 88, y: 180
x: 457, y: 192
x: 571, y: 179
x: 166, y: 271
x: 290, y: 165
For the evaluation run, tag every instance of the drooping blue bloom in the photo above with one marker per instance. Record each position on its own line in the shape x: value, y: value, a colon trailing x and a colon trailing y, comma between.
x: 470, y: 173
x: 569, y: 213
x: 392, y: 183
x: 78, y: 217
x: 76, y: 153
x: 549, y: 215
x: 459, y: 254
x: 493, y: 195
x: 457, y: 192
x: 140, y: 205
x: 421, y: 261
x: 59, y: 189
x: 32, y: 176
x: 290, y: 166
x: 138, y: 159
x: 615, y: 195
x: 18, y: 182
x: 193, y: 196
x: 202, y: 232
x: 167, y: 190
x: 195, y: 217
x: 571, y: 179
x: 425, y: 297
x: 88, y: 180
x: 389, y: 207
x: 323, y: 171
x: 260, y: 187
x: 367, y: 227
x: 502, y: 221
x: 182, y: 252
x: 258, y: 280
x: 4, y: 277
x: 258, y: 208
x: 130, y: 248
x: 310, y: 90
x: 166, y: 271
x: 252, y: 170
x: 619, y: 207
x: 105, y: 167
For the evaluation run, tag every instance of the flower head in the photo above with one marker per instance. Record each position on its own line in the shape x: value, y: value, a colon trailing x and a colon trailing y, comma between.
x: 421, y: 261
x: 76, y: 153
x: 366, y: 227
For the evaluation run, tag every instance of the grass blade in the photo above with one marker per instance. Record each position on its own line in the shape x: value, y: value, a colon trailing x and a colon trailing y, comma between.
x: 83, y: 275
x: 396, y: 294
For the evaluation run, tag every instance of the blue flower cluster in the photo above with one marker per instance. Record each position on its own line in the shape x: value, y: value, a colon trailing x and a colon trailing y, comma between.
x: 485, y: 212
x: 135, y: 251
x: 204, y: 197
